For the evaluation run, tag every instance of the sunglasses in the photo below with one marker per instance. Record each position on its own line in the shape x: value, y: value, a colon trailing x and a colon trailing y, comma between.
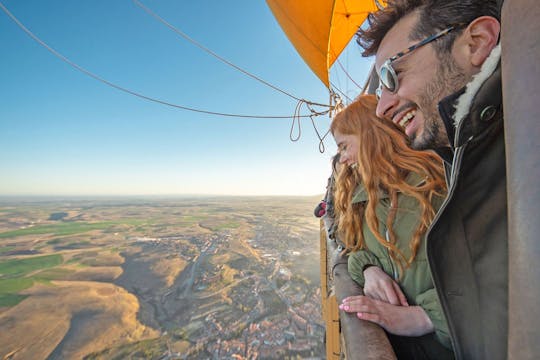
x: 387, y: 75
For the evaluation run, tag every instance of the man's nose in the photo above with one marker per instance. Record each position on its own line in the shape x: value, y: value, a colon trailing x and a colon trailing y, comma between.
x: 386, y: 102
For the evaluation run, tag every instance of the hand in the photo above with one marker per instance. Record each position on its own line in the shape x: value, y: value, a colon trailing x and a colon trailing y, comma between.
x: 398, y: 320
x: 379, y: 286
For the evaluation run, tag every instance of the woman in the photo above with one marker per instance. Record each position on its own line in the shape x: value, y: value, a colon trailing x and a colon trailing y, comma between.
x: 386, y: 197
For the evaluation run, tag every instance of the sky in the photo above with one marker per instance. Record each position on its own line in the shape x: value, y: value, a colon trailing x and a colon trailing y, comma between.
x: 65, y: 133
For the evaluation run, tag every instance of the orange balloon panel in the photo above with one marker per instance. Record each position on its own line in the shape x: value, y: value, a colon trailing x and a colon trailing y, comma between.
x: 320, y: 29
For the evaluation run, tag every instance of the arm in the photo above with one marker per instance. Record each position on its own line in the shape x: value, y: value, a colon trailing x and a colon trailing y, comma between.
x: 398, y: 320
x: 366, y: 269
x: 358, y: 261
x: 380, y: 286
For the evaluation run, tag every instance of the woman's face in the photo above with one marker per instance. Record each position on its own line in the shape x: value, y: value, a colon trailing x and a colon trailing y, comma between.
x: 347, y: 148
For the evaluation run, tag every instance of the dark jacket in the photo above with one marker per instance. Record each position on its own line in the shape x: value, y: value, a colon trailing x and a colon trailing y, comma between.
x: 467, y: 244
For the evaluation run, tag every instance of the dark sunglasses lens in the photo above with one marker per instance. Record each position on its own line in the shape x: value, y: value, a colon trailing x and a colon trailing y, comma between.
x: 387, y: 79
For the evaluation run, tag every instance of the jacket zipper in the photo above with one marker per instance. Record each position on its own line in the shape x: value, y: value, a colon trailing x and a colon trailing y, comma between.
x: 456, y: 165
x: 387, y: 236
x: 394, y: 273
x: 451, y: 184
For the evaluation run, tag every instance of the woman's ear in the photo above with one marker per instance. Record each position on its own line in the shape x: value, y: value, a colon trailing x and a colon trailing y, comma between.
x: 482, y: 37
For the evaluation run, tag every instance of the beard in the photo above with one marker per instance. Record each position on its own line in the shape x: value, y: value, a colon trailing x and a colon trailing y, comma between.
x: 449, y: 78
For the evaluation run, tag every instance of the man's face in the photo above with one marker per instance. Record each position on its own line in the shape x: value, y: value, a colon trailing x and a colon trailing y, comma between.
x: 424, y: 80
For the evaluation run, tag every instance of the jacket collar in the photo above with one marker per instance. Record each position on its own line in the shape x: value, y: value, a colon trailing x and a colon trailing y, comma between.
x: 479, y: 102
x: 360, y: 194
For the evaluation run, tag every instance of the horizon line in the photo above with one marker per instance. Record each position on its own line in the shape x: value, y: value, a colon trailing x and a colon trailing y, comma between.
x: 86, y: 196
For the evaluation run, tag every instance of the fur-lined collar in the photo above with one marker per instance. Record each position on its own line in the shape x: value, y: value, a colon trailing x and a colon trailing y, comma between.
x: 463, y: 104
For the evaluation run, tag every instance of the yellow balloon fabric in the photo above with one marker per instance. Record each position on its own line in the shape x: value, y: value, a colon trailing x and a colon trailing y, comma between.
x: 320, y: 29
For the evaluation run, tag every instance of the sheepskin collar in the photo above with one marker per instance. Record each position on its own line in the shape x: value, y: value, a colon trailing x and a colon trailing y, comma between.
x: 479, y: 102
x: 464, y: 102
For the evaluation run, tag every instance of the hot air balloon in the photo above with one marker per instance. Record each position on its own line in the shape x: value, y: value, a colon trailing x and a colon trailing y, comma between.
x: 321, y: 29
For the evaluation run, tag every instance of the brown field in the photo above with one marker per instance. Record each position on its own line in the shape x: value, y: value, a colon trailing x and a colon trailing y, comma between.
x: 159, y: 278
x: 69, y: 319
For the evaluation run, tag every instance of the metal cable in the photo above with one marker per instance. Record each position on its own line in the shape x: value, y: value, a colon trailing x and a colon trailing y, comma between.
x: 314, y: 113
x: 334, y: 87
x: 347, y: 73
x: 207, y: 50
x: 83, y: 70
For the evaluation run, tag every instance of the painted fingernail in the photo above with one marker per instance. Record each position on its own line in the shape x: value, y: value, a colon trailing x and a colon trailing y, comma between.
x: 359, y: 314
x: 346, y: 307
x: 340, y: 306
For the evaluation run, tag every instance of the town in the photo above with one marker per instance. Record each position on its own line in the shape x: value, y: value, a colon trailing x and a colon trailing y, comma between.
x: 234, y: 278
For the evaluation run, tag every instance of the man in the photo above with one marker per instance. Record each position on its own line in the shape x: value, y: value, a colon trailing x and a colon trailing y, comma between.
x: 439, y: 68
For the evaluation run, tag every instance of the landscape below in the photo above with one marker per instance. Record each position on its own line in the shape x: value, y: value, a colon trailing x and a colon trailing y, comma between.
x: 222, y: 277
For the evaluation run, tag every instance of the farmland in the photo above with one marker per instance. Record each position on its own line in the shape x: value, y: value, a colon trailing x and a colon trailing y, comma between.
x: 148, y: 278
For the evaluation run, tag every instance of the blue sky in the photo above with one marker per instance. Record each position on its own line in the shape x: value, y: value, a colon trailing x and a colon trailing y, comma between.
x: 64, y: 133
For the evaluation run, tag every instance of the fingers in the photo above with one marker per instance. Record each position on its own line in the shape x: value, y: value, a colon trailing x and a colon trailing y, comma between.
x: 378, y: 291
x: 353, y: 303
x: 388, y: 291
x: 395, y: 294
x: 377, y: 312
x: 402, y: 300
x: 370, y: 317
x: 351, y: 298
x: 359, y: 304
x: 346, y: 304
x: 391, y: 295
x: 379, y: 285
x: 373, y: 293
x: 369, y: 312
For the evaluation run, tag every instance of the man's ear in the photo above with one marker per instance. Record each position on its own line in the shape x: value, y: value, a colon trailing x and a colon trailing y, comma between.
x: 482, y: 37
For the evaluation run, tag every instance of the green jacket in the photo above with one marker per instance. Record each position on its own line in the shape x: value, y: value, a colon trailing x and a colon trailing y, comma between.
x: 416, y: 281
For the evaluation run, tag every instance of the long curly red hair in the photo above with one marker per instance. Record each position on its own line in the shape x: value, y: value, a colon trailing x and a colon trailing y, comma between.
x: 385, y: 160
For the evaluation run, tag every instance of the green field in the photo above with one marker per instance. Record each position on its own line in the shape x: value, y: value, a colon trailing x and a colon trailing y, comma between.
x: 14, y: 268
x: 9, y: 289
x: 8, y: 286
x: 11, y: 299
x: 68, y: 228
x: 12, y: 274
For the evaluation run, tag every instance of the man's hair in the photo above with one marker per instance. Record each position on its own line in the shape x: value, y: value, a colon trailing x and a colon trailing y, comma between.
x: 434, y: 16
